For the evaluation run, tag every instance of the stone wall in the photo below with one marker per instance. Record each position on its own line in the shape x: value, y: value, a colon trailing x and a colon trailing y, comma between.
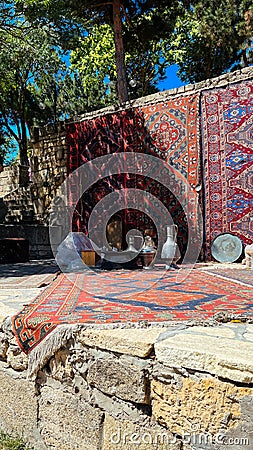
x: 213, y: 83
x: 26, y: 194
x: 48, y: 168
x: 182, y: 387
x: 15, y: 195
x: 11, y: 177
x: 37, y: 235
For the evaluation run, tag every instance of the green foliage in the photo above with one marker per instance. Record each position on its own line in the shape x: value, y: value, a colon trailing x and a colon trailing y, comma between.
x: 94, y: 60
x: 26, y: 60
x: 212, y: 37
x: 204, y: 37
x: 36, y: 87
x: 145, y: 25
x: 7, y: 149
x: 8, y: 442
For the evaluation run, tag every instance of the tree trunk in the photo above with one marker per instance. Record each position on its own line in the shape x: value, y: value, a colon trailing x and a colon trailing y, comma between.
x: 245, y: 59
x: 23, y: 145
x: 119, y: 53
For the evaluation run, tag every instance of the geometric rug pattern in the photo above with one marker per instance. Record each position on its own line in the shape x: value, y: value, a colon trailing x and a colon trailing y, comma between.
x: 227, y: 126
x: 150, y: 296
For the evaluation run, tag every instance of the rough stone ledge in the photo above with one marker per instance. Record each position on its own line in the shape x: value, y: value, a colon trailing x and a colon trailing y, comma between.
x: 226, y: 351
x: 135, y: 342
x: 161, y: 380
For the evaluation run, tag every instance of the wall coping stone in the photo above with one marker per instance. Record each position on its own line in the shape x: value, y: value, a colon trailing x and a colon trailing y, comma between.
x: 195, y: 375
x: 134, y: 342
x: 226, y: 351
x: 245, y: 73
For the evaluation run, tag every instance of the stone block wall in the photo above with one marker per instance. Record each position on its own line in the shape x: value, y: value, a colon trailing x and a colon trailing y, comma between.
x: 5, y: 182
x: 15, y: 194
x: 26, y: 194
x: 37, y: 235
x: 12, y: 177
x: 179, y: 387
x: 48, y: 168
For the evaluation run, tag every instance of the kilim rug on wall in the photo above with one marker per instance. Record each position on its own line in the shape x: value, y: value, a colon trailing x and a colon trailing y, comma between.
x: 145, y: 298
x: 227, y: 123
x: 166, y: 130
x: 170, y: 132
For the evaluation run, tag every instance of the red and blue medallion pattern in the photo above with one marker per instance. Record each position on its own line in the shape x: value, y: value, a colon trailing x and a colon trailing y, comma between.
x: 149, y: 296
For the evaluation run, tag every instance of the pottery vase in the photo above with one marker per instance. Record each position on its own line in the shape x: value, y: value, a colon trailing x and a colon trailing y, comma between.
x: 170, y: 251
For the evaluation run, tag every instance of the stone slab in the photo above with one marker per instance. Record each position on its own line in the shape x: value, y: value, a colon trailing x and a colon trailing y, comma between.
x: 13, y: 300
x: 67, y: 423
x: 135, y: 342
x: 204, y: 405
x: 119, y: 409
x: 6, y: 311
x: 126, y: 435
x: 18, y: 406
x: 224, y: 351
x: 15, y: 358
x: 123, y: 378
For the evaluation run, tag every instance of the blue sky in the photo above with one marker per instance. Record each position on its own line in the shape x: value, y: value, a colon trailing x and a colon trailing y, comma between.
x: 172, y: 81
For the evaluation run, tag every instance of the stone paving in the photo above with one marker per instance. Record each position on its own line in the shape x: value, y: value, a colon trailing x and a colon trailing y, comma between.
x: 13, y: 296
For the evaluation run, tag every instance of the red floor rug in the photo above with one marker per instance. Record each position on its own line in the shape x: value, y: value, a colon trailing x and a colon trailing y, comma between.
x: 227, y: 121
x: 117, y: 299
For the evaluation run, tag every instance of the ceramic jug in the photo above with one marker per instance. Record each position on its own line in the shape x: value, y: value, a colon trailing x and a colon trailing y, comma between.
x: 170, y: 248
x: 148, y: 253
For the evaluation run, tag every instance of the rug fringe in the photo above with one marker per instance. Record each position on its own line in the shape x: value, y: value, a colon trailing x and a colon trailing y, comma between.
x: 59, y: 337
x: 41, y: 354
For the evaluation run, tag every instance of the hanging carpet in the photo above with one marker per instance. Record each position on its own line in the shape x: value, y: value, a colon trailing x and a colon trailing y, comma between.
x: 227, y: 123
x: 167, y: 130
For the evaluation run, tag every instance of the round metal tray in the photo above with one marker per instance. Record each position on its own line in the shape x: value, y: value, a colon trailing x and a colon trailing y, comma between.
x: 226, y: 247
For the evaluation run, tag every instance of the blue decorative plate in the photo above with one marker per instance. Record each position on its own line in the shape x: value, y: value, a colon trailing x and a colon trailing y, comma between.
x: 226, y: 247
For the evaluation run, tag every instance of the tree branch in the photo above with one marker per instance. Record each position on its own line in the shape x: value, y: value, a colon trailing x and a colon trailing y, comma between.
x: 130, y: 23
